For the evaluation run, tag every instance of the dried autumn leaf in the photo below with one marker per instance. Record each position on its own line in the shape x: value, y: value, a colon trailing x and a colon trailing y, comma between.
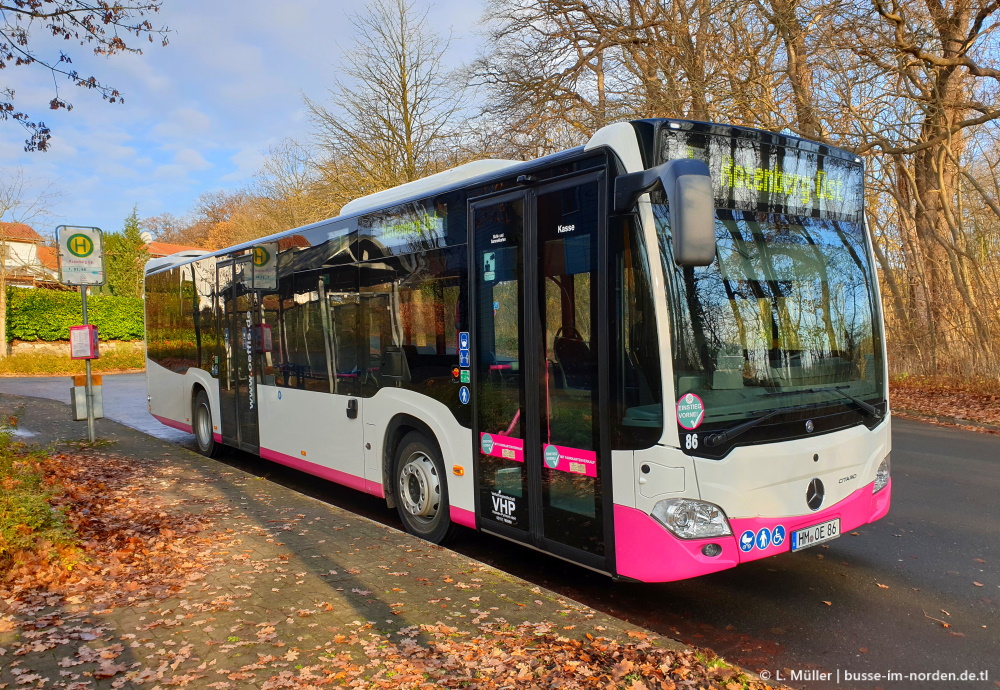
x: 108, y: 670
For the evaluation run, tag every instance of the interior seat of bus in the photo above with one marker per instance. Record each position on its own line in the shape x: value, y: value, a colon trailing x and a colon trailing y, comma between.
x: 573, y: 357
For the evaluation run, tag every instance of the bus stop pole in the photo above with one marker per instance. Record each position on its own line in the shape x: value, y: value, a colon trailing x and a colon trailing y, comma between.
x: 90, y: 381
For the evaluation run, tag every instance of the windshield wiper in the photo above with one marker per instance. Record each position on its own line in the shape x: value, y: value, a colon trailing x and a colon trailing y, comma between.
x: 720, y: 437
x: 867, y: 408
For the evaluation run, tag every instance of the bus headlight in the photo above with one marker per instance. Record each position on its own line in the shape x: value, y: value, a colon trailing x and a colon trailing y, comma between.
x: 882, y: 475
x: 691, y: 519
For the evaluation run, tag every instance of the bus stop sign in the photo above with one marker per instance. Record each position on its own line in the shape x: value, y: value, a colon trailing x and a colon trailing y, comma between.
x: 81, y: 255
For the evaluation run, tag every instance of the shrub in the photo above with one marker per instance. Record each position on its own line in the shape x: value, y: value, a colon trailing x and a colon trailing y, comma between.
x: 38, y: 314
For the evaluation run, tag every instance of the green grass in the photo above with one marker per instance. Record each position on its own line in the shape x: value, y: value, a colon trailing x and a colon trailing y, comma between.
x: 26, y: 518
x: 124, y: 357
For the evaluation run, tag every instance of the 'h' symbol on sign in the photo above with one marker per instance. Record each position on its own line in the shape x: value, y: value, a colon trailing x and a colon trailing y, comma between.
x: 80, y: 245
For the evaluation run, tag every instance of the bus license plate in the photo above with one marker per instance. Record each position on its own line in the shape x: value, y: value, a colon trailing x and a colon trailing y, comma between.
x: 817, y: 534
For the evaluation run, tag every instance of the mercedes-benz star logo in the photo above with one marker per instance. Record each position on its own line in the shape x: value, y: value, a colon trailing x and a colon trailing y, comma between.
x: 814, y: 494
x: 810, y: 426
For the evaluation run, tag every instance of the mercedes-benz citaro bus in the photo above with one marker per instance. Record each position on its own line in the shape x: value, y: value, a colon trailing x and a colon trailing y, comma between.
x: 657, y: 355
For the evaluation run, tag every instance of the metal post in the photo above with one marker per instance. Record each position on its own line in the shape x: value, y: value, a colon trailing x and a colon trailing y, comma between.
x: 90, y: 382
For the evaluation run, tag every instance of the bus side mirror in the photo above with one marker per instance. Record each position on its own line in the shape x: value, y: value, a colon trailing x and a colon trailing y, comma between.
x: 688, y: 186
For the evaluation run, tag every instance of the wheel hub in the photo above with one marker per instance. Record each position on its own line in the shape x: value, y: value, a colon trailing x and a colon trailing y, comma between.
x: 203, y: 426
x: 420, y: 487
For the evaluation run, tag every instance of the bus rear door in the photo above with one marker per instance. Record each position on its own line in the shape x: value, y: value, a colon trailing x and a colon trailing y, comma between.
x: 238, y: 315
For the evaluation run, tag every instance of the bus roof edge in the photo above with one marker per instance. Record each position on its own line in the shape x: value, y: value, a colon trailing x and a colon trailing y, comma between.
x: 161, y: 261
x: 413, y: 189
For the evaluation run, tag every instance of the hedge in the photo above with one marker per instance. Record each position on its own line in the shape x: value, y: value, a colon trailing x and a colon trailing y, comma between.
x: 38, y: 314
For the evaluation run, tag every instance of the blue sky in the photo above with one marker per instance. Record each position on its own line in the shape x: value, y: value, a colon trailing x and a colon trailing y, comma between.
x: 199, y: 114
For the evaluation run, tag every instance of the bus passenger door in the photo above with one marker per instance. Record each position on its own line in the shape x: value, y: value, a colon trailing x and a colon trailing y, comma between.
x: 537, y: 360
x: 239, y: 367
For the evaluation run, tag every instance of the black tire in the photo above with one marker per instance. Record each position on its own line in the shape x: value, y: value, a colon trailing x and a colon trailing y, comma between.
x: 201, y: 424
x: 421, y: 489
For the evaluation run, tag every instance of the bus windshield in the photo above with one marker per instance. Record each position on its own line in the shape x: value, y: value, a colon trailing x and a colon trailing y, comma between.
x: 788, y: 309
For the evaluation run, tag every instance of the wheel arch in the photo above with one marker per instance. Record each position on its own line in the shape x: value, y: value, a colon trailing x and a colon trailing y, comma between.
x: 200, y: 387
x: 397, y: 429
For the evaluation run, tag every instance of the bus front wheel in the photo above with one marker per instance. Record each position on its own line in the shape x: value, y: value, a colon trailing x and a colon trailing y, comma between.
x: 202, y: 418
x: 421, y: 489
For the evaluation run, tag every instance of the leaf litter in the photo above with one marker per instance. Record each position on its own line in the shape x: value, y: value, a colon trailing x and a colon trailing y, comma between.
x: 148, y: 561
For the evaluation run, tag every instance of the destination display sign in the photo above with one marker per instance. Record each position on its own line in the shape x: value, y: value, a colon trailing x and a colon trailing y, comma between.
x: 415, y: 225
x: 749, y: 174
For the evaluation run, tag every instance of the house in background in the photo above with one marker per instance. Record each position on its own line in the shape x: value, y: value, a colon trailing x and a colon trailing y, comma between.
x: 27, y: 261
x: 159, y: 249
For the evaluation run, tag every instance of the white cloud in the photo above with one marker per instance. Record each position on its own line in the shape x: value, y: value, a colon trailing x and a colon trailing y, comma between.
x: 199, y: 113
x: 246, y: 161
x: 172, y: 172
x: 182, y: 124
x: 191, y: 159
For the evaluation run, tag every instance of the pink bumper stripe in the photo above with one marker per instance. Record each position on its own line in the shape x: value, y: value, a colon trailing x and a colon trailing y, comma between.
x: 858, y: 509
x: 646, y: 551
x: 176, y: 425
x: 349, y: 480
x: 461, y: 516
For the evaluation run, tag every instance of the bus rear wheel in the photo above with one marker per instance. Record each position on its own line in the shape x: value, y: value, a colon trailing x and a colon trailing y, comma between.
x: 421, y: 489
x: 203, y: 432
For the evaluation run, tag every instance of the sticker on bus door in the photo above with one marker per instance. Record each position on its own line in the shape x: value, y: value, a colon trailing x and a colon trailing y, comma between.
x: 489, y: 267
x: 504, y: 508
x: 506, y: 447
x: 574, y: 460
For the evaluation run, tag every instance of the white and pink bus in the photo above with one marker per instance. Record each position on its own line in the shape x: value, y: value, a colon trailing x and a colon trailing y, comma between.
x: 657, y: 355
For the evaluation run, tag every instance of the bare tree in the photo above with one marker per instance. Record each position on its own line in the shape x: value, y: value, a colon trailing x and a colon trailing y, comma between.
x: 557, y: 70
x: 167, y: 227
x: 288, y: 189
x: 21, y: 201
x: 393, y: 116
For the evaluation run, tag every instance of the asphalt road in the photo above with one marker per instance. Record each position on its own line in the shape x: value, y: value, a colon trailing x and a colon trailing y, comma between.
x: 915, y: 593
x: 124, y: 401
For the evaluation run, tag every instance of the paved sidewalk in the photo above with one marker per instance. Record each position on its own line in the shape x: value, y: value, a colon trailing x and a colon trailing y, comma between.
x: 296, y: 576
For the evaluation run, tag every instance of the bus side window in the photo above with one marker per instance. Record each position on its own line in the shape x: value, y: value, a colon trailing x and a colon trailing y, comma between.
x: 304, y: 361
x: 415, y: 315
x: 639, y: 386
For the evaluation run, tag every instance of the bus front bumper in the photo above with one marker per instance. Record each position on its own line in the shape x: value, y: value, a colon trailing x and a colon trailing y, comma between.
x: 646, y: 551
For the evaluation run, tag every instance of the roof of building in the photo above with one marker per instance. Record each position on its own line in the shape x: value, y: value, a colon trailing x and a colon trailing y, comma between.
x: 19, y: 232
x: 157, y: 249
x: 48, y: 257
